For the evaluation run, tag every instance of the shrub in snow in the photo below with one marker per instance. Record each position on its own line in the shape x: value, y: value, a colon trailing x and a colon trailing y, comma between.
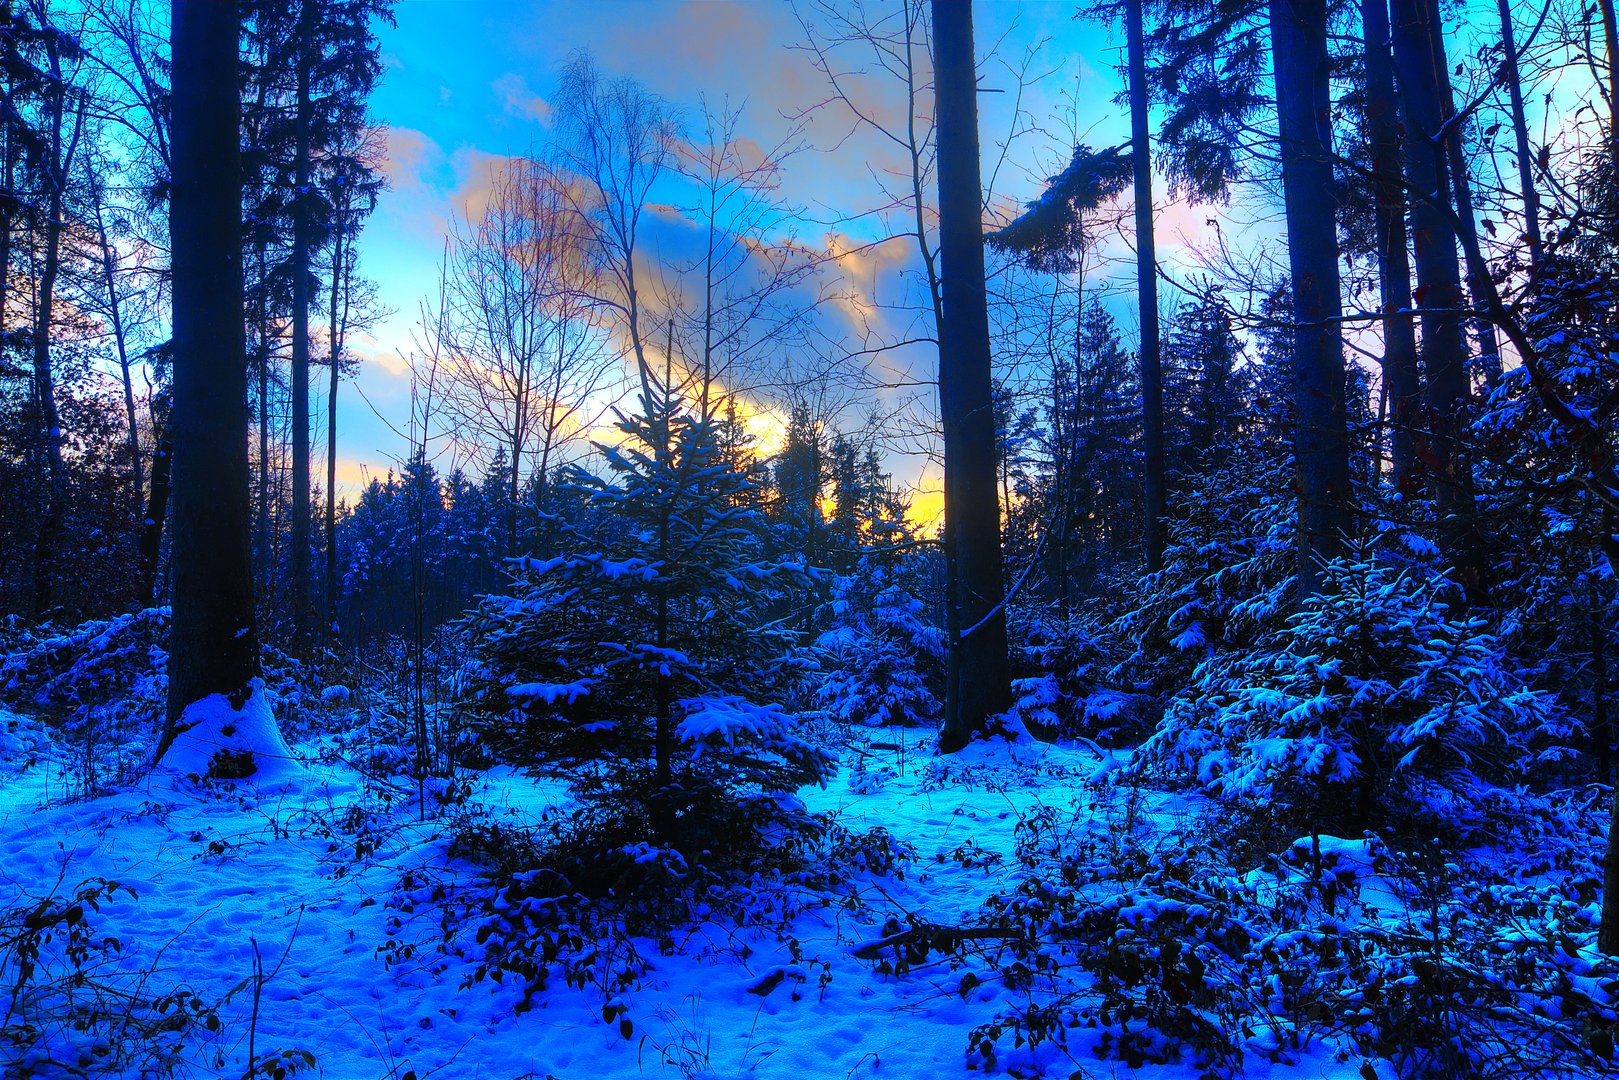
x: 103, y: 685
x: 1125, y: 943
x: 1380, y: 699
x: 881, y: 663
x: 72, y: 1005
x: 637, y: 661
x: 1228, y: 571
x: 1063, y: 664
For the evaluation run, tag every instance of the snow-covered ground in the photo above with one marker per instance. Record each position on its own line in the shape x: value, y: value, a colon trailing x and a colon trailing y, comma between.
x: 292, y: 889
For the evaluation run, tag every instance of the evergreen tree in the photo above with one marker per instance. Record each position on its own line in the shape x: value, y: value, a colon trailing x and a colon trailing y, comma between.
x: 637, y: 657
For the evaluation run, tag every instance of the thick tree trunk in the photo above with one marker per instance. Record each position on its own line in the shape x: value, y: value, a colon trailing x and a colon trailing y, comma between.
x: 298, y: 560
x: 1321, y: 437
x: 1420, y: 62
x: 1400, y: 380
x: 214, y: 647
x: 980, y: 686
x: 1152, y: 382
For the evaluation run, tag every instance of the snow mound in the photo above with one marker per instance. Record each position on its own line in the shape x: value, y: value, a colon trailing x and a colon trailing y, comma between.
x: 245, y: 742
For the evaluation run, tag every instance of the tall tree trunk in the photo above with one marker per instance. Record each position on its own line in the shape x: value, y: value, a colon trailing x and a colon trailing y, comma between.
x: 157, y: 500
x: 336, y: 333
x: 1520, y: 132
x: 10, y: 205
x: 1152, y: 381
x: 264, y: 542
x: 121, y: 345
x: 1400, y: 380
x: 1424, y: 89
x: 1321, y: 437
x: 298, y: 562
x: 1610, y: 31
x: 58, y: 162
x: 1461, y: 187
x: 214, y: 647
x: 981, y: 684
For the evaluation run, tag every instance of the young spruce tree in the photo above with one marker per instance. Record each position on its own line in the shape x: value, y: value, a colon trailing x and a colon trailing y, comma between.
x: 636, y: 659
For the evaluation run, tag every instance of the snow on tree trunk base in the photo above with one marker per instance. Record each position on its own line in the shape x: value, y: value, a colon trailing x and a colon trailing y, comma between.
x: 217, y: 740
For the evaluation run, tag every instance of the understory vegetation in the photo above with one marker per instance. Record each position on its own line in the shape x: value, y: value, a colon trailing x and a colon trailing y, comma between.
x: 980, y: 604
x: 1360, y: 829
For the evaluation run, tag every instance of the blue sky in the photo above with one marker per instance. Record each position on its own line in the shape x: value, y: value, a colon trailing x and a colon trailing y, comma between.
x: 468, y: 81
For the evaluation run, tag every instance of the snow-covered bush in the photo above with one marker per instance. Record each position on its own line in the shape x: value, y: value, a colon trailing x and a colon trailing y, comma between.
x: 1063, y: 666
x: 882, y: 662
x: 1381, y: 700
x: 1228, y: 571
x: 103, y: 685
x: 1127, y: 943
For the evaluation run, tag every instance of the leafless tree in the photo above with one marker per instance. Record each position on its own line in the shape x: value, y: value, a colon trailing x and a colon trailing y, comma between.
x: 523, y: 364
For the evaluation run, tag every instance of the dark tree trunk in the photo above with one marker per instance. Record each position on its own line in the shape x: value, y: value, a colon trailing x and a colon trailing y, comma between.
x: 298, y: 560
x: 121, y: 345
x: 1424, y: 90
x: 214, y: 648
x: 1152, y: 382
x: 1321, y: 437
x: 336, y: 353
x: 1610, y: 31
x: 59, y: 160
x: 264, y: 545
x: 157, y: 501
x: 1461, y: 184
x: 1400, y: 381
x: 980, y: 683
x: 9, y: 203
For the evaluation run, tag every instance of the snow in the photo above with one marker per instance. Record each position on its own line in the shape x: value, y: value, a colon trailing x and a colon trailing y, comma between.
x: 337, y: 882
x: 214, y: 872
x: 551, y: 693
x: 213, y: 726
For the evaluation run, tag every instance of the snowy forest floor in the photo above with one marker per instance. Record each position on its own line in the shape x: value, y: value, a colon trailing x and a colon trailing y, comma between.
x: 260, y: 924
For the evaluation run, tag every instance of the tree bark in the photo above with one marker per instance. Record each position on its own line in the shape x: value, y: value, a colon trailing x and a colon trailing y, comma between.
x: 1520, y: 132
x: 214, y: 647
x: 1400, y: 379
x: 981, y: 684
x: 121, y: 344
x: 1321, y: 435
x: 335, y: 332
x: 56, y: 168
x: 1424, y: 89
x: 157, y: 501
x: 298, y: 560
x: 1152, y: 382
